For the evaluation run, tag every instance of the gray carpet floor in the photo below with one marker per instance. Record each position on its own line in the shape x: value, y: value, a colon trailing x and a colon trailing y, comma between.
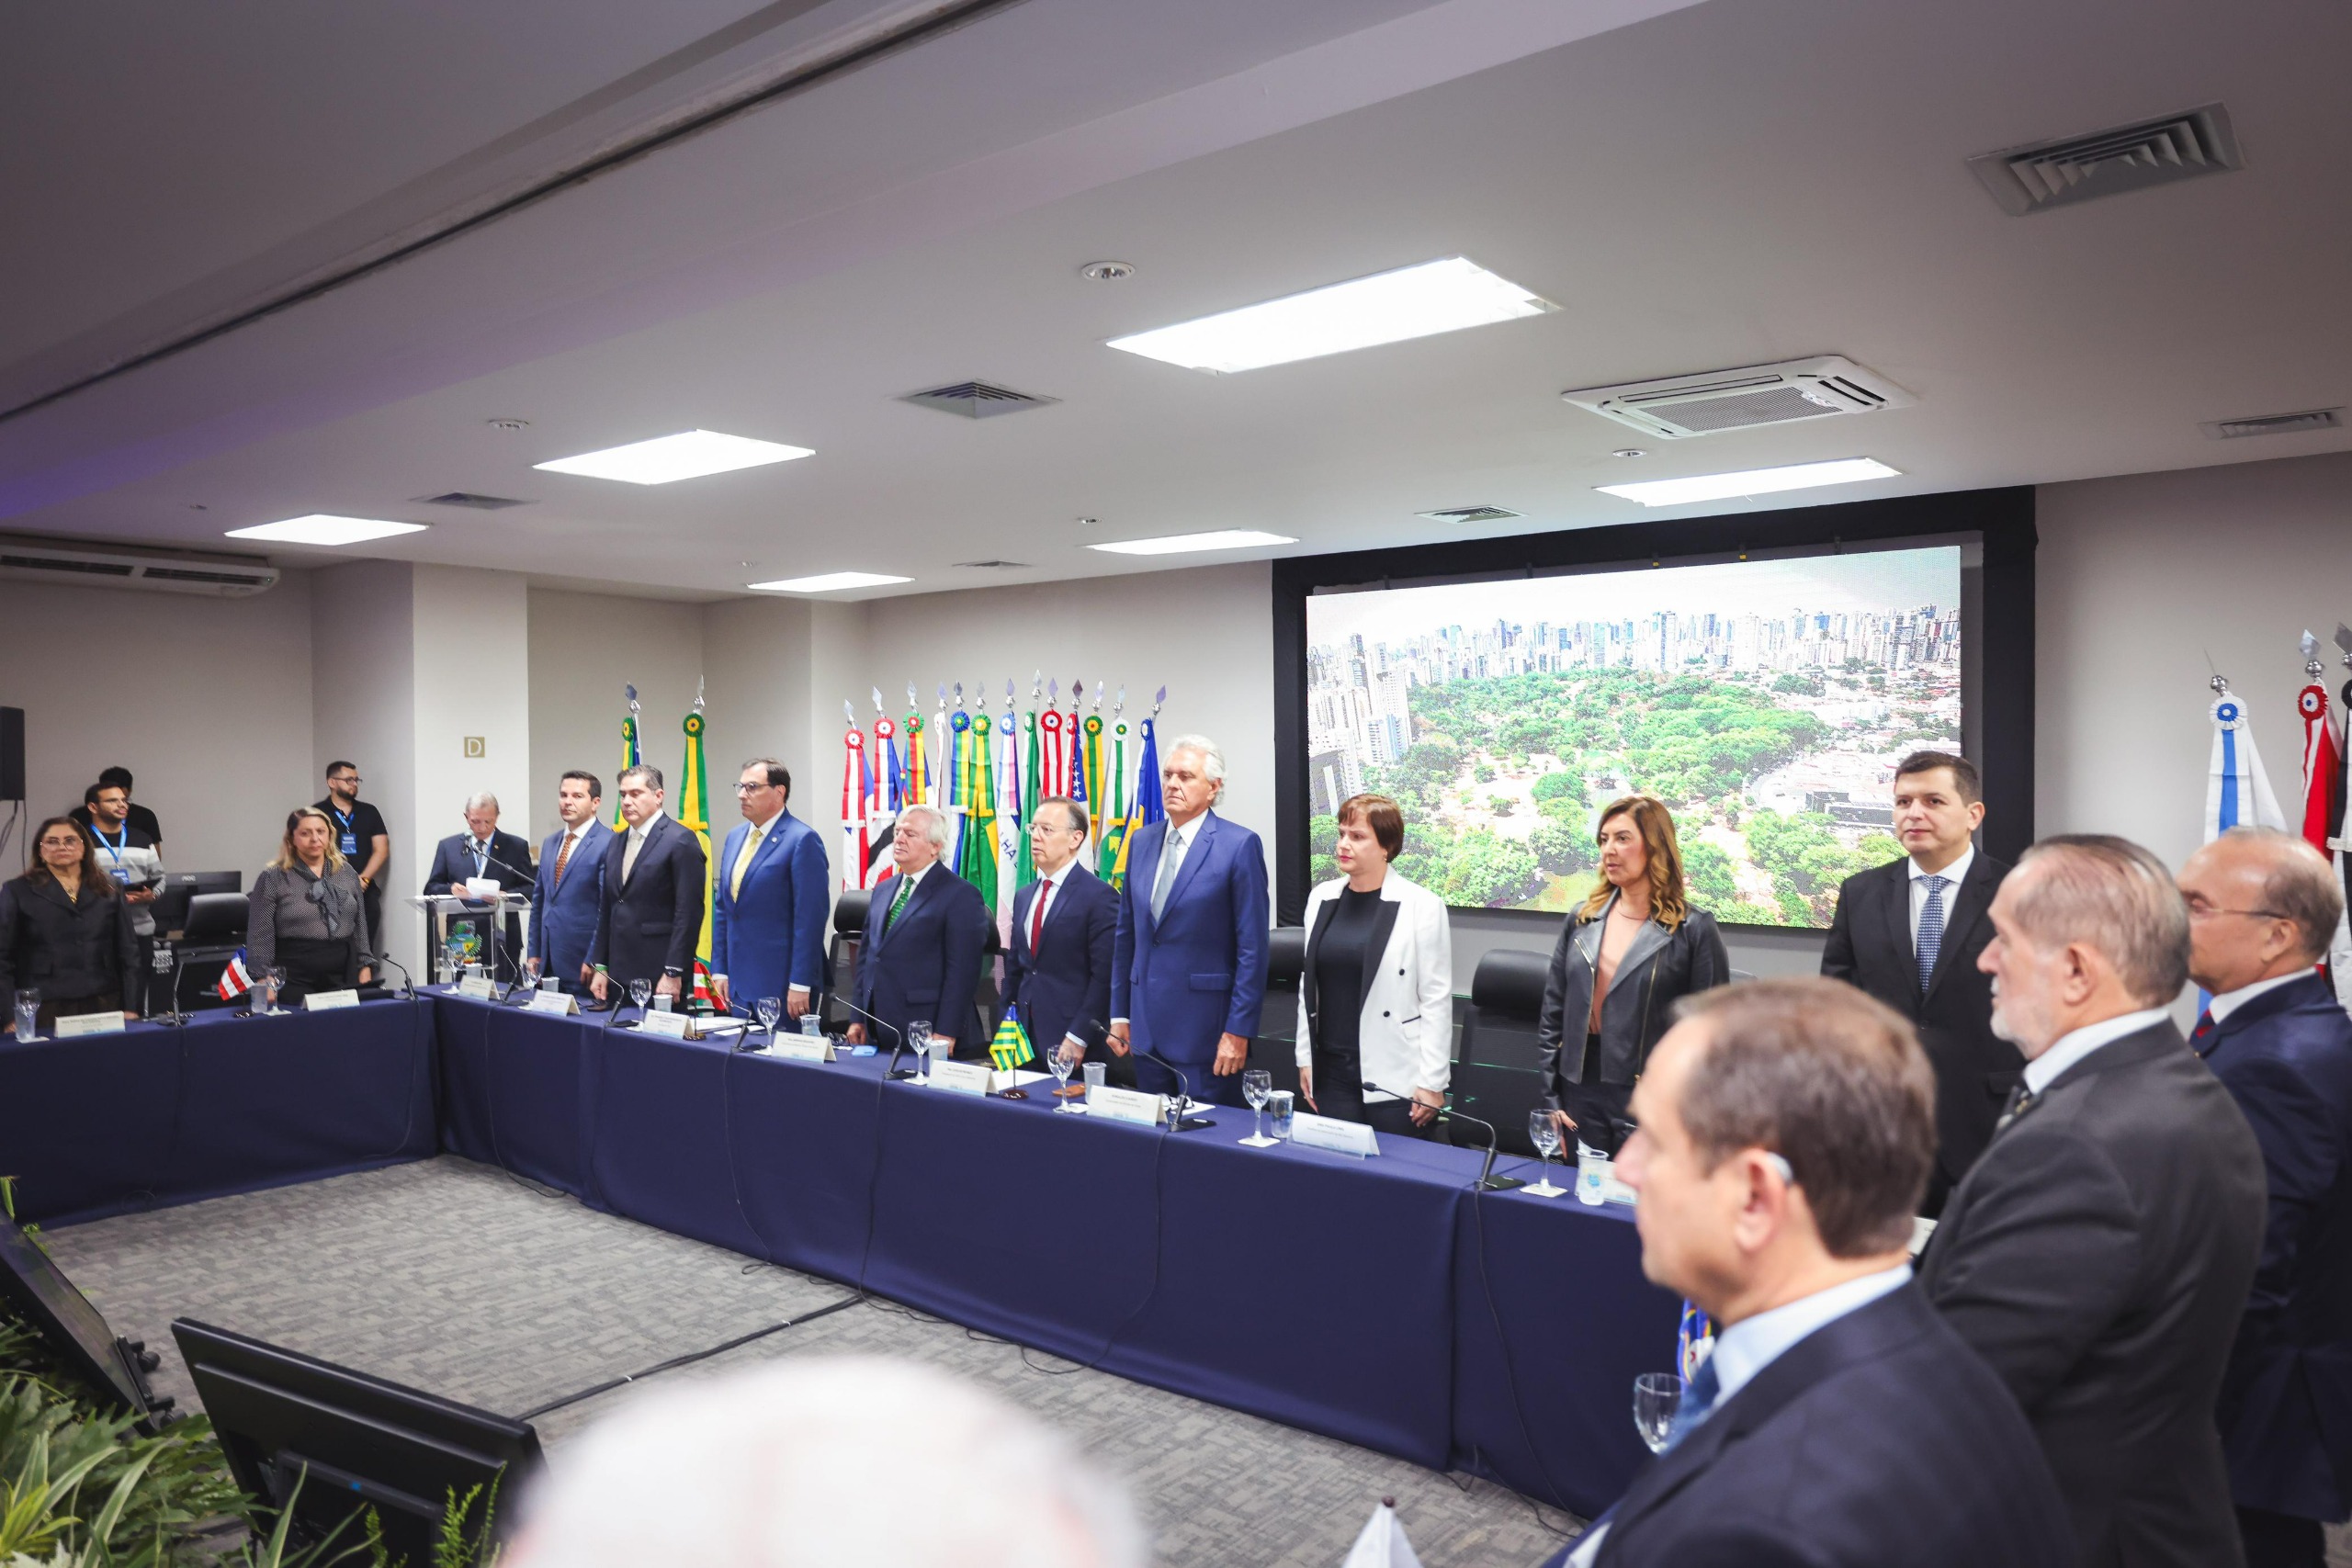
x: 456, y: 1278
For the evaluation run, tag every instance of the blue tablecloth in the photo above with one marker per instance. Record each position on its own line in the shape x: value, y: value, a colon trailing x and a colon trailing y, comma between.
x: 1358, y: 1299
x: 110, y: 1123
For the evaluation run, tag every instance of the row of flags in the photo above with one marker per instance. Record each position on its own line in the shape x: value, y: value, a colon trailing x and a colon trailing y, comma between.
x: 2238, y: 791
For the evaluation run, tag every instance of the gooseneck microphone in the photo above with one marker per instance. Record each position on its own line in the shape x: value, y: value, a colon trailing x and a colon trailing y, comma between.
x: 407, y: 981
x: 1487, y: 1180
x: 893, y: 1070
x: 1177, y: 1120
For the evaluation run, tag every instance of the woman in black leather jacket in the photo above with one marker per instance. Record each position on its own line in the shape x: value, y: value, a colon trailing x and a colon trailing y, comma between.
x: 1639, y: 946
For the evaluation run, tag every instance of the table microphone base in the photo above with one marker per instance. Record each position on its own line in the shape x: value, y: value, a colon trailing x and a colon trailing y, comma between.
x: 1499, y: 1184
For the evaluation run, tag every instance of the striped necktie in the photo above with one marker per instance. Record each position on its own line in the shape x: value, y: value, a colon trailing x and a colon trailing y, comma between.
x: 561, y: 856
x: 906, y: 891
x: 1931, y: 928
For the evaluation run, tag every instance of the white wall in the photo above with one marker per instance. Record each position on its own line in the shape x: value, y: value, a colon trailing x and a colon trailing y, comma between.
x: 205, y: 701
x: 582, y: 649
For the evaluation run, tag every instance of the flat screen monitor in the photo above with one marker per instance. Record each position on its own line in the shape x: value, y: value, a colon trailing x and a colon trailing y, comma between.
x: 36, y: 1289
x: 353, y: 1440
x: 180, y: 886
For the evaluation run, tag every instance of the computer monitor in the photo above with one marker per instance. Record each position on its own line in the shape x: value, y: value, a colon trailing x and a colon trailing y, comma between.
x: 362, y: 1442
x: 115, y: 1369
x: 215, y: 920
x: 179, y: 887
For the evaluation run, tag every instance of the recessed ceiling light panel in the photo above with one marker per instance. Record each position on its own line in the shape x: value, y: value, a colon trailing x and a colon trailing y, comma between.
x: 1751, y: 481
x: 1182, y: 544
x: 323, y: 528
x: 828, y: 583
x: 1390, y: 307
x: 688, y: 454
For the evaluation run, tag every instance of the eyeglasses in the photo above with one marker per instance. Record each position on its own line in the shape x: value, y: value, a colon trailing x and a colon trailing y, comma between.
x: 2207, y: 911
x: 348, y: 778
x: 753, y: 788
x: 71, y: 843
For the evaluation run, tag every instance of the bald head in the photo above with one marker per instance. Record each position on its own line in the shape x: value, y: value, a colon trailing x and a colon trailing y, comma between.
x: 2261, y: 904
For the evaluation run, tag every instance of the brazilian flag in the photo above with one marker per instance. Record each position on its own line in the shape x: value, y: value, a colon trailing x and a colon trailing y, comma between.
x: 1011, y: 1046
x: 692, y: 813
x: 630, y: 758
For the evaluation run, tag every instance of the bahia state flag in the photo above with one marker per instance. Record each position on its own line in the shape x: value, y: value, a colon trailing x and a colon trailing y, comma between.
x: 1011, y: 1046
x: 235, y: 978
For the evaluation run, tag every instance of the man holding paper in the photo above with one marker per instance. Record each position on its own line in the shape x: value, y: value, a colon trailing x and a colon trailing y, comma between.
x: 481, y: 863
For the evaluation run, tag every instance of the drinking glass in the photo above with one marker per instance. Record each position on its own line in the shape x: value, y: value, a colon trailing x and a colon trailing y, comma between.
x: 28, y: 1014
x: 811, y: 1025
x: 1279, y: 1104
x: 1257, y: 1088
x: 640, y: 992
x: 273, y: 979
x: 1096, y: 1073
x: 444, y: 969
x: 1544, y: 1134
x: 919, y: 1036
x: 1656, y: 1396
x: 1061, y: 1065
x: 770, y: 1008
x: 1593, y: 1172
x: 530, y: 974
x: 665, y: 1003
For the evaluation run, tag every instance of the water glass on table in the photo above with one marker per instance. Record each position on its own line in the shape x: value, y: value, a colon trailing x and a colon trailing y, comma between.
x: 919, y: 1036
x: 769, y: 1010
x: 1257, y: 1088
x: 1097, y: 1073
x: 1544, y: 1134
x: 27, y: 1015
x: 1059, y: 1060
x: 1279, y: 1106
x: 1593, y: 1173
x: 640, y: 992
x: 1657, y: 1397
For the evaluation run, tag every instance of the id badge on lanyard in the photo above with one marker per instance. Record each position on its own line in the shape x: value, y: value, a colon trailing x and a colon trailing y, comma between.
x: 350, y: 839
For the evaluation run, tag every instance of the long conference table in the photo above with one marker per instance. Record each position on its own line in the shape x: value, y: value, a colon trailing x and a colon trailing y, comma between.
x: 1383, y: 1301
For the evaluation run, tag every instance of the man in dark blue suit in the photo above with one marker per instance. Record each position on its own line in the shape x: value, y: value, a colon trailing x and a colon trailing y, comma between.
x: 1057, y: 968
x: 1786, y: 1131
x: 481, y: 851
x: 1188, y: 967
x: 2262, y: 908
x: 926, y: 930
x: 568, y: 895
x: 767, y: 914
x: 651, y: 919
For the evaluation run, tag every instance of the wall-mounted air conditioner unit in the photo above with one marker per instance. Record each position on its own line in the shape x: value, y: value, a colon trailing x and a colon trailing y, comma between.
x: 131, y: 566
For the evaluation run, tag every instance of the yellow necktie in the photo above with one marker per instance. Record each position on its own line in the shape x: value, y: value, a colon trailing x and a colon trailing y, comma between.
x: 743, y: 861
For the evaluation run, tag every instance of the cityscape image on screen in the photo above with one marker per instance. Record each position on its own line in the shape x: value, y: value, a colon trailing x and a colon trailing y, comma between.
x: 1765, y: 702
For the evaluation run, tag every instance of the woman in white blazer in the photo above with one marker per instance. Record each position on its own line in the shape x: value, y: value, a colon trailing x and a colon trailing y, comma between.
x: 1375, y: 1002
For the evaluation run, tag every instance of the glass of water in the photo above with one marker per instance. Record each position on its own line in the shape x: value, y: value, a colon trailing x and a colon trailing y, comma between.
x: 640, y: 992
x: 1060, y: 1061
x: 1544, y: 1134
x: 1257, y: 1088
x: 812, y: 1025
x: 1657, y: 1397
x: 919, y: 1036
x: 1279, y: 1105
x: 28, y: 1014
x: 769, y: 1008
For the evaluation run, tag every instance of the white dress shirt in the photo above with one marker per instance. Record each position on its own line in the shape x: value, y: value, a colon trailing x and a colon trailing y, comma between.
x: 1953, y: 875
x: 2071, y: 1048
x: 1752, y: 1344
x: 2227, y: 1002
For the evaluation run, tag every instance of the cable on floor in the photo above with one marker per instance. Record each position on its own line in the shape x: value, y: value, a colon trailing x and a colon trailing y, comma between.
x: 689, y: 1358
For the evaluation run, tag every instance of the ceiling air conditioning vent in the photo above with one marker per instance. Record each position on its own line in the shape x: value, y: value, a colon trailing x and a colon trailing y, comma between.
x: 2274, y: 425
x: 995, y: 565
x: 467, y: 498
x: 1470, y: 514
x: 127, y: 566
x: 1678, y: 406
x: 2108, y: 163
x: 976, y: 399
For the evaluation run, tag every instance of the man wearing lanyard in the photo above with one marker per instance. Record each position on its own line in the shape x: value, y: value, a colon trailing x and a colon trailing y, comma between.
x: 361, y: 838
x: 129, y: 856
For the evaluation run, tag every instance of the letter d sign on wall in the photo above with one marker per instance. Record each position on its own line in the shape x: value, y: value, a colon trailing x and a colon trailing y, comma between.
x: 473, y: 746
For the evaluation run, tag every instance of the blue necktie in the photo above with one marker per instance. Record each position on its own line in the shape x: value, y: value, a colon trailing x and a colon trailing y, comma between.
x: 1931, y: 929
x: 1699, y: 1397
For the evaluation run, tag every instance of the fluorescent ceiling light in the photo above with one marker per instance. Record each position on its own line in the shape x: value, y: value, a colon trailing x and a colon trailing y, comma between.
x: 1390, y: 307
x: 1178, y: 544
x: 688, y: 454
x: 323, y: 528
x: 826, y: 581
x: 1750, y: 482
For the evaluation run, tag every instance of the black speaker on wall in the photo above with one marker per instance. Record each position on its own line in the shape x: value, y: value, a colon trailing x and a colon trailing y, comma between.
x: 12, y: 753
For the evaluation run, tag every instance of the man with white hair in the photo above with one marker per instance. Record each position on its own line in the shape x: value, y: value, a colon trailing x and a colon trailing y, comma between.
x: 926, y: 933
x: 2098, y: 1253
x: 1188, y: 964
x: 777, y: 1466
x: 481, y: 851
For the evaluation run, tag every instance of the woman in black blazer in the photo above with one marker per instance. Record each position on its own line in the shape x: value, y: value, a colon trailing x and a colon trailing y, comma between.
x: 1638, y: 947
x: 65, y: 931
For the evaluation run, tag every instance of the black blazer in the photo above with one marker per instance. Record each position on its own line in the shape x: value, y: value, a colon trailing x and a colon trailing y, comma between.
x: 2286, y: 1409
x: 651, y: 926
x: 928, y: 964
x: 66, y: 949
x: 1877, y: 1439
x: 452, y: 863
x: 1064, y: 988
x: 1870, y: 946
x: 2097, y: 1257
x: 1660, y: 966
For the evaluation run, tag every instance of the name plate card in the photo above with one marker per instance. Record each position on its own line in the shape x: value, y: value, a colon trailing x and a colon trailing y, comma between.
x: 669, y: 1025
x: 478, y: 987
x: 323, y: 1001
x: 801, y: 1048
x: 561, y: 1003
x: 1127, y: 1105
x: 82, y: 1023
x: 960, y: 1077
x: 1329, y: 1132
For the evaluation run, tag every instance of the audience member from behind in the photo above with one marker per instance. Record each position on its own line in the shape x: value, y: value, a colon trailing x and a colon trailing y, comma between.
x: 2262, y: 907
x: 306, y: 914
x: 138, y: 816
x: 1785, y: 1133
x: 65, y: 931
x: 1622, y: 961
x: 775, y: 1467
x: 2099, y: 1251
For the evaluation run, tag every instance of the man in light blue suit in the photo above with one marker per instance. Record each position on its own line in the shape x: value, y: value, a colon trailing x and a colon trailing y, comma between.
x: 1188, y: 966
x: 568, y: 894
x: 767, y: 913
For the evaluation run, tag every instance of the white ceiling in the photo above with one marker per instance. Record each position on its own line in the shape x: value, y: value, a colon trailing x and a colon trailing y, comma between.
x: 1697, y: 186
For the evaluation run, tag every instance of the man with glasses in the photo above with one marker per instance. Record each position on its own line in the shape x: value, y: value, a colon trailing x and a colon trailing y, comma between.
x: 767, y: 914
x: 361, y: 839
x: 1058, y: 968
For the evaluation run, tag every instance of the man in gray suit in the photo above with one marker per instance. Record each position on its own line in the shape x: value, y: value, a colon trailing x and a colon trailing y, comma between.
x: 2098, y: 1253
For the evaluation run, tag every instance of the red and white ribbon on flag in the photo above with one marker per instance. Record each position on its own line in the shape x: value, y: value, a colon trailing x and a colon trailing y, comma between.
x: 854, y: 806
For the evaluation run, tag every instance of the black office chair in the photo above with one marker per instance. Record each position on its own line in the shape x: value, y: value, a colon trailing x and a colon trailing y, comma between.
x: 1275, y: 1047
x: 841, y: 957
x: 1498, y: 1077
x: 215, y: 929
